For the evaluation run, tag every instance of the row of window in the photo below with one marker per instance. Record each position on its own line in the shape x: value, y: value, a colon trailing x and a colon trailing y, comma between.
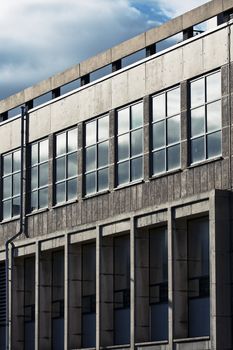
x: 205, y: 143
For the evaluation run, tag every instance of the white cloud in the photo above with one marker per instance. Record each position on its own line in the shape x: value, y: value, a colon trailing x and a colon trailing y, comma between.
x: 174, y: 8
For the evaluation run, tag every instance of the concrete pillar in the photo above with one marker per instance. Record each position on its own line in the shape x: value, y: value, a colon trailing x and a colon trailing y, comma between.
x: 98, y: 287
x: 66, y: 293
x: 170, y: 225
x: 56, y: 92
x: 116, y: 65
x: 150, y: 50
x: 85, y: 79
x: 18, y: 304
x: 132, y: 283
x: 37, y: 294
x: 10, y: 297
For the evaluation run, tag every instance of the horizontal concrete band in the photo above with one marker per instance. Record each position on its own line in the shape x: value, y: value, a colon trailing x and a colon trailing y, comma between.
x: 176, y: 25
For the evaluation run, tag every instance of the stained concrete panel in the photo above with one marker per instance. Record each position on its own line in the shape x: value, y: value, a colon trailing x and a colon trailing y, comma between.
x: 40, y: 123
x: 192, y: 59
x: 215, y: 51
x: 136, y: 82
x: 120, y: 90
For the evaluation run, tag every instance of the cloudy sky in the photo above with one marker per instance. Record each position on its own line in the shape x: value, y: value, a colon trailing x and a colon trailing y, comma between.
x: 39, y: 38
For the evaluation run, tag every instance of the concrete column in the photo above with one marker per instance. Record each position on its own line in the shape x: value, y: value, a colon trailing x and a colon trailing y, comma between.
x: 56, y: 92
x: 85, y: 79
x: 116, y: 65
x: 170, y: 276
x: 66, y: 293
x: 37, y: 294
x: 132, y: 283
x: 10, y: 297
x: 150, y: 50
x: 98, y: 286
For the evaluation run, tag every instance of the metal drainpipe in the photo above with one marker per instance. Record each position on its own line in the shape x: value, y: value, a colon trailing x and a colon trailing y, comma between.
x: 21, y: 221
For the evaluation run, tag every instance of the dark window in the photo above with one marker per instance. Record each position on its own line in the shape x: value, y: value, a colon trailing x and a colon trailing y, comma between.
x: 29, y: 303
x: 206, y: 117
x: 66, y: 165
x: 96, y: 155
x: 39, y: 175
x: 2, y: 307
x: 166, y: 131
x: 11, y: 185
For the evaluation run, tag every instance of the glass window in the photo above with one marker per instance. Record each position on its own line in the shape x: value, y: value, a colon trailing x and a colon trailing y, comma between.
x: 168, y: 42
x: 39, y: 174
x: 11, y: 185
x: 206, y: 117
x: 66, y: 168
x: 130, y: 144
x: 166, y: 131
x: 96, y: 152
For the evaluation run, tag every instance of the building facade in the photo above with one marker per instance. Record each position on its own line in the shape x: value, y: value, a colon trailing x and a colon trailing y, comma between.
x: 122, y: 220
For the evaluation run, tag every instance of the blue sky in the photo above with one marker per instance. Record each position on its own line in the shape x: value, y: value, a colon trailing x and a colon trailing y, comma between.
x: 39, y: 38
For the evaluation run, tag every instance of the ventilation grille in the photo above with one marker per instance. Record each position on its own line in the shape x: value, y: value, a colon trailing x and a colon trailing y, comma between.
x: 2, y: 294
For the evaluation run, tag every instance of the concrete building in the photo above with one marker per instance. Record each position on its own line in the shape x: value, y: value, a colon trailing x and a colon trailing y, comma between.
x: 122, y: 222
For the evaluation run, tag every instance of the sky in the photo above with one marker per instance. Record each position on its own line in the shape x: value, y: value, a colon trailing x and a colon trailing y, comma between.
x: 39, y: 38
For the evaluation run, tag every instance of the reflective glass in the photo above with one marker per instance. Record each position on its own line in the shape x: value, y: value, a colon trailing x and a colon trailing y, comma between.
x: 159, y: 134
x: 123, y: 147
x: 214, y: 147
x: 136, y: 169
x: 16, y: 161
x: 72, y: 189
x: 159, y: 162
x: 123, y: 173
x: 43, y: 198
x: 91, y: 158
x: 16, y: 206
x: 34, y: 154
x: 213, y: 85
x: 159, y: 107
x: 197, y: 121
x: 60, y: 192
x: 16, y: 184
x: 61, y: 144
x: 103, y: 128
x: 72, y: 164
x: 7, y: 164
x: 72, y: 140
x: 91, y: 133
x: 123, y: 120
x: 44, y: 147
x: 102, y: 179
x: 60, y: 169
x: 7, y: 187
x: 198, y: 92
x: 34, y: 178
x: 173, y: 157
x: 197, y: 150
x: 103, y: 154
x: 136, y: 142
x: 173, y: 130
x: 43, y: 174
x: 7, y: 209
x: 173, y: 102
x: 136, y: 115
x: 168, y: 42
x: 214, y: 116
x: 91, y: 183
x: 34, y: 200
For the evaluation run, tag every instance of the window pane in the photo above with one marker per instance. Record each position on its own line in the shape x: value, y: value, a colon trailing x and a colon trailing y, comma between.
x: 91, y: 133
x: 103, y: 154
x: 16, y: 161
x: 44, y: 150
x: 198, y: 92
x: 16, y: 184
x: 90, y: 158
x: 34, y: 153
x: 173, y: 157
x: 173, y: 129
x: 159, y: 162
x: 43, y: 198
x: 123, y: 173
x: 43, y: 174
x: 123, y: 147
x: 91, y: 183
x: 103, y: 128
x: 60, y: 169
x: 34, y: 178
x: 213, y: 86
x: 72, y: 164
x: 123, y: 120
x: 136, y: 142
x: 214, y: 116
x: 60, y: 192
x: 214, y: 144
x: 102, y: 179
x: 137, y: 115
x: 159, y: 135
x: 7, y: 209
x: 72, y: 189
x: 173, y: 102
x: 72, y: 140
x: 136, y: 169
x: 7, y: 164
x: 34, y: 200
x: 198, y: 121
x: 61, y: 144
x: 7, y: 187
x: 159, y: 107
x: 16, y: 206
x: 197, y: 150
